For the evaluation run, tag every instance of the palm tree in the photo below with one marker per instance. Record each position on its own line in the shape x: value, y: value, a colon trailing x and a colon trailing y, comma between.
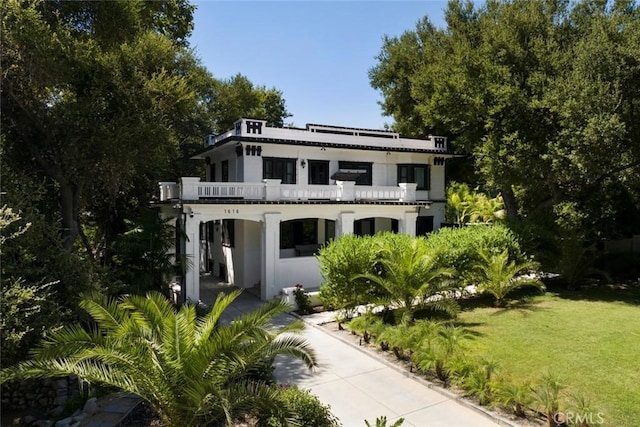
x: 497, y: 276
x: 191, y: 370
x: 411, y: 275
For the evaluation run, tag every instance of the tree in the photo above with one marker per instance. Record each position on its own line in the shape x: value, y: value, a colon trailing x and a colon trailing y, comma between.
x: 191, y: 370
x: 544, y: 94
x: 497, y: 276
x: 98, y: 97
x: 237, y: 97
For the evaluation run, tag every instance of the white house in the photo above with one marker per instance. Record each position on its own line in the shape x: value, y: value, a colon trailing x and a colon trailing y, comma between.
x: 272, y: 196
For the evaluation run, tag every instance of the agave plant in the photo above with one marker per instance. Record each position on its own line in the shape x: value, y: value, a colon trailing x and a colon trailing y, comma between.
x: 191, y: 370
x: 497, y: 276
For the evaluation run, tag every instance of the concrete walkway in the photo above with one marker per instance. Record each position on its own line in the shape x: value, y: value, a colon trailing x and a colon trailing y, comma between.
x: 360, y: 386
x: 357, y: 384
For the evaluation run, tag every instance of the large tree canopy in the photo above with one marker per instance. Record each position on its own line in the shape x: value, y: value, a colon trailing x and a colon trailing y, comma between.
x: 104, y: 99
x: 545, y: 96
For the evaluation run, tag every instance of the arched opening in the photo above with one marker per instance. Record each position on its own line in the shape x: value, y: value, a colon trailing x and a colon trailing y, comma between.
x: 303, y: 237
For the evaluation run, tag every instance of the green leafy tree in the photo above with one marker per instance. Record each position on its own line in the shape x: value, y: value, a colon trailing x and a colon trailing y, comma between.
x: 238, y: 97
x: 498, y: 275
x: 191, y: 370
x: 543, y: 94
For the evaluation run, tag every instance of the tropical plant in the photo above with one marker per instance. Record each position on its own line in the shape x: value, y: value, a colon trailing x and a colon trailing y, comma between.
x: 436, y: 354
x: 382, y: 422
x: 517, y: 396
x: 467, y: 206
x: 480, y: 382
x: 306, y: 408
x: 404, y: 338
x: 412, y: 278
x: 369, y: 325
x: 191, y: 370
x: 546, y: 395
x: 497, y: 276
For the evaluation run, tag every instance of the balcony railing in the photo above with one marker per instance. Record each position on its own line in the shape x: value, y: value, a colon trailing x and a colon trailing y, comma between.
x: 274, y: 190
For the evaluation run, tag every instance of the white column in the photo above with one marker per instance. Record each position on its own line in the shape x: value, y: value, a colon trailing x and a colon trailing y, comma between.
x: 407, y: 224
x: 270, y: 256
x: 344, y: 224
x: 191, y: 283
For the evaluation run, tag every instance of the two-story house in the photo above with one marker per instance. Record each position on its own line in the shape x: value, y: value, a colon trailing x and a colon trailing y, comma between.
x: 272, y: 196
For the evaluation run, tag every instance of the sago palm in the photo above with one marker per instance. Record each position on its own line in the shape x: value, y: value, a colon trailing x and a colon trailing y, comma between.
x: 497, y: 276
x: 411, y: 276
x: 191, y: 370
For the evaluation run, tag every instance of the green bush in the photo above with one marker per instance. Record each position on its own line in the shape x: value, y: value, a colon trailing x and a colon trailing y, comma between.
x: 340, y: 263
x: 306, y: 409
x: 459, y: 248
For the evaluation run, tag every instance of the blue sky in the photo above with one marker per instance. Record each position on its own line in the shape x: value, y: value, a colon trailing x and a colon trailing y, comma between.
x: 318, y: 53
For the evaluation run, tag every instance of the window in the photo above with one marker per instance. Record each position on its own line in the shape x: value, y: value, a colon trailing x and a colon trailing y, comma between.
x: 279, y: 168
x: 418, y: 174
x: 319, y: 172
x: 364, y: 227
x: 298, y: 232
x: 364, y: 178
x: 424, y: 225
x: 224, y: 171
x: 228, y: 232
x: 212, y: 172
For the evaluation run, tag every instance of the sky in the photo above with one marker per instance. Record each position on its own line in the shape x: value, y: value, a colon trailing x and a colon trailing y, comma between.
x: 318, y: 53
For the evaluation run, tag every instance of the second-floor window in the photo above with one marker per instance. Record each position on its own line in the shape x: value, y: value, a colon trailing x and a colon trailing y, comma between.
x: 224, y: 171
x: 360, y: 169
x: 418, y: 174
x: 279, y: 168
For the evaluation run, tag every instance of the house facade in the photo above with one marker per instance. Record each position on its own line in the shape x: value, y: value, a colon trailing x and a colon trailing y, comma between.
x: 273, y: 196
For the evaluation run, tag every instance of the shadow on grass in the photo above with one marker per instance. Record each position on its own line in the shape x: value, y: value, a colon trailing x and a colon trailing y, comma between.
x: 622, y: 292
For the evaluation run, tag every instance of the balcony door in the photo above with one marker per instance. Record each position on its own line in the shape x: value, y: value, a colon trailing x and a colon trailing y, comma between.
x: 319, y: 172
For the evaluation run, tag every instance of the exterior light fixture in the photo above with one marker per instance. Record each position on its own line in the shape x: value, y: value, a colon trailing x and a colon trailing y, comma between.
x: 303, y: 163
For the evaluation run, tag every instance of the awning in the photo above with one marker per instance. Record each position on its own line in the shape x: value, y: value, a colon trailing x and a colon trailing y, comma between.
x: 348, y: 174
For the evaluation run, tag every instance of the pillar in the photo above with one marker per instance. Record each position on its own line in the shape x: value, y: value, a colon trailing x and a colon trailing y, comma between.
x: 191, y: 283
x: 345, y: 223
x: 270, y: 256
x: 407, y: 223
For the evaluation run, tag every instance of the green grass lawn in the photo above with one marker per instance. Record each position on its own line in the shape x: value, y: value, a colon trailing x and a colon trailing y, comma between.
x: 590, y: 338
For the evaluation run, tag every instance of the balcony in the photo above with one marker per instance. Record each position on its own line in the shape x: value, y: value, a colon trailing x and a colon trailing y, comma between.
x: 274, y: 190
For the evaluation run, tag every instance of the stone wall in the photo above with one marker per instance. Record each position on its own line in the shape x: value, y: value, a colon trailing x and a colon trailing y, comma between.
x: 46, y: 393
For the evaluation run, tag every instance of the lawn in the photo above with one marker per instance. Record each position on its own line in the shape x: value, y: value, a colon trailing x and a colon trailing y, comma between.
x: 590, y: 338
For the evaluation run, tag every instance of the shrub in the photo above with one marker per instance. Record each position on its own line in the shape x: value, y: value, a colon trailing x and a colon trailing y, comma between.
x: 341, y: 262
x: 459, y: 248
x: 302, y: 300
x: 305, y: 408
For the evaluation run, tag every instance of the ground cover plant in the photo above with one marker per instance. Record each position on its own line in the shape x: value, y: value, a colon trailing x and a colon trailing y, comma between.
x: 586, y: 338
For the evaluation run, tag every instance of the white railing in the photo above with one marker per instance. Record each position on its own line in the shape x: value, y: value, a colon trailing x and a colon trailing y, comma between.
x: 309, y: 192
x: 274, y: 190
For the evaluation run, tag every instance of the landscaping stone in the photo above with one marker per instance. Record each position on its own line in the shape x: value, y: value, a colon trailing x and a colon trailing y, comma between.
x: 91, y: 406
